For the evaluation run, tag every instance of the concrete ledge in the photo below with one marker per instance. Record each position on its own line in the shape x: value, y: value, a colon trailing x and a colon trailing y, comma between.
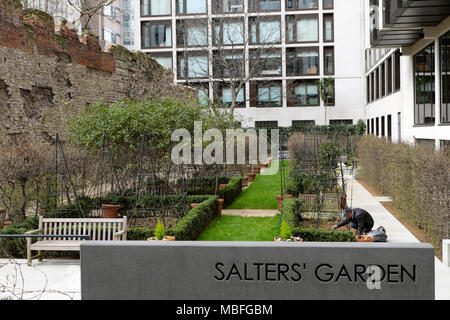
x: 254, y: 270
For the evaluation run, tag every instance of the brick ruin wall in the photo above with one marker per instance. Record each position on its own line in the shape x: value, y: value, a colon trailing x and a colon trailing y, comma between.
x: 48, y: 73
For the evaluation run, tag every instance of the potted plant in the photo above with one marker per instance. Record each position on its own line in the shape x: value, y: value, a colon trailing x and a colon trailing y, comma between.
x: 221, y: 201
x: 264, y: 165
x: 193, y: 205
x: 257, y: 168
x: 279, y: 200
x: 222, y: 185
x: 286, y: 234
x: 159, y: 230
x: 245, y: 181
x: 251, y: 176
x: 110, y: 210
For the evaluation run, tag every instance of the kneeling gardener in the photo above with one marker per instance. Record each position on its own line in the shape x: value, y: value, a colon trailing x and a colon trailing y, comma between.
x: 359, y: 219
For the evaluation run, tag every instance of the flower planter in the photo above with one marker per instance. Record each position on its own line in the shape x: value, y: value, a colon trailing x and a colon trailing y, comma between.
x: 343, y: 201
x: 291, y: 239
x: 223, y: 185
x: 6, y: 224
x: 245, y: 181
x: 110, y: 211
x: 168, y: 238
x: 257, y: 169
x: 279, y: 200
x: 278, y: 239
x: 264, y: 165
x: 251, y: 177
x: 365, y: 239
x: 221, y: 201
x: 152, y: 239
x: 193, y: 205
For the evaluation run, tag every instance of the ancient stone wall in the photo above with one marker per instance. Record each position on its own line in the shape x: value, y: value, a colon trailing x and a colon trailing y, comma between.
x: 48, y: 73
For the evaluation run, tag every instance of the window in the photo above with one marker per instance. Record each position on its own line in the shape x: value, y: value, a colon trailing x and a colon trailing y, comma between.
x: 302, y: 28
x: 382, y: 127
x: 158, y: 7
x: 389, y: 127
x: 268, y: 95
x: 304, y: 93
x: 377, y: 126
x: 368, y: 89
x: 445, y: 78
x: 191, y: 6
x: 377, y: 83
x: 195, y: 66
x: 109, y: 11
x: 228, y: 6
x: 303, y: 123
x: 303, y: 61
x: 108, y: 35
x: 229, y: 33
x: 397, y: 70
x: 328, y: 55
x: 383, y: 79
x: 328, y: 4
x: 372, y: 87
x: 145, y: 8
x: 265, y: 64
x: 165, y: 61
x: 265, y: 5
x: 328, y: 28
x: 228, y: 64
x: 389, y: 75
x: 192, y: 35
x: 156, y: 35
x: 227, y: 96
x: 372, y: 126
x: 265, y: 31
x: 302, y: 4
x: 368, y: 126
x: 424, y: 86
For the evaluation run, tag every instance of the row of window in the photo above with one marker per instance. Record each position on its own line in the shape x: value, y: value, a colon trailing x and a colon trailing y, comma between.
x: 164, y: 7
x: 268, y: 63
x: 301, y: 93
x: 380, y: 126
x: 194, y: 33
x: 385, y: 79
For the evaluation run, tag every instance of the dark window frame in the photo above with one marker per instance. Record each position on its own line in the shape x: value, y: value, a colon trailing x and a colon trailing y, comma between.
x: 326, y: 16
x: 182, y: 26
x: 296, y: 18
x: 295, y: 63
x: 444, y: 57
x: 295, y: 6
x: 254, y: 95
x: 292, y: 97
x: 424, y: 69
x: 150, y: 10
x: 185, y: 7
x: 254, y: 7
x: 182, y: 55
x: 325, y: 49
x: 332, y: 5
x: 156, y: 23
x: 258, y: 29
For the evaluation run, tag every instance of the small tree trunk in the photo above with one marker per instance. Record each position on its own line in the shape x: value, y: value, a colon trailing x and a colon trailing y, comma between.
x: 24, y: 200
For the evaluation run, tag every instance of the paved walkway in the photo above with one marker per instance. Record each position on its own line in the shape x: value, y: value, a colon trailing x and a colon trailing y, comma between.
x: 396, y: 231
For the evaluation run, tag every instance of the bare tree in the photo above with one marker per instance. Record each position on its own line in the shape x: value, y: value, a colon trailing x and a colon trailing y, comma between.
x: 88, y: 9
x: 241, y: 47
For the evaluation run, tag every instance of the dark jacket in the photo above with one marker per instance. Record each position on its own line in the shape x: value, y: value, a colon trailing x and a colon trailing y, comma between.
x: 362, y: 219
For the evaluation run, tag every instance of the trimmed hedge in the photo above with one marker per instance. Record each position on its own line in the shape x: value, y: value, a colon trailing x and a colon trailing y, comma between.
x: 291, y: 212
x: 17, y: 247
x: 193, y: 224
x: 320, y: 235
x: 231, y: 191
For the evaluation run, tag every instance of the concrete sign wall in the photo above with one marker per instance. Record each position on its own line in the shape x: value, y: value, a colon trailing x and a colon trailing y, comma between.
x: 255, y: 270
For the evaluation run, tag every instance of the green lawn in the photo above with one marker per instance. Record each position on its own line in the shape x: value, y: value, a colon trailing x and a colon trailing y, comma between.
x: 234, y: 228
x: 261, y: 193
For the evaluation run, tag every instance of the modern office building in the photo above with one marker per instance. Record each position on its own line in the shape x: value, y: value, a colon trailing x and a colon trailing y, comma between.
x: 408, y: 70
x: 263, y: 57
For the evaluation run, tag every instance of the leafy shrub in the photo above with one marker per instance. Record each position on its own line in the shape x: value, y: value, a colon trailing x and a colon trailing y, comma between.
x: 291, y: 211
x: 285, y: 230
x: 159, y: 230
x: 195, y: 222
x: 231, y: 191
x: 320, y: 235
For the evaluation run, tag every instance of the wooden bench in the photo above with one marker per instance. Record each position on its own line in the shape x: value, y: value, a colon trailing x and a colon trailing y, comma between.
x: 97, y: 228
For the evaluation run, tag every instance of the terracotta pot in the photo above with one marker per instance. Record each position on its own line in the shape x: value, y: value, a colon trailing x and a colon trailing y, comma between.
x: 221, y: 201
x: 251, y: 177
x: 193, y: 205
x: 168, y: 238
x: 6, y: 224
x: 343, y: 201
x: 223, y: 185
x: 278, y: 239
x: 244, y: 181
x: 257, y: 169
x: 279, y: 200
x: 289, y: 196
x: 264, y: 165
x: 110, y: 210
